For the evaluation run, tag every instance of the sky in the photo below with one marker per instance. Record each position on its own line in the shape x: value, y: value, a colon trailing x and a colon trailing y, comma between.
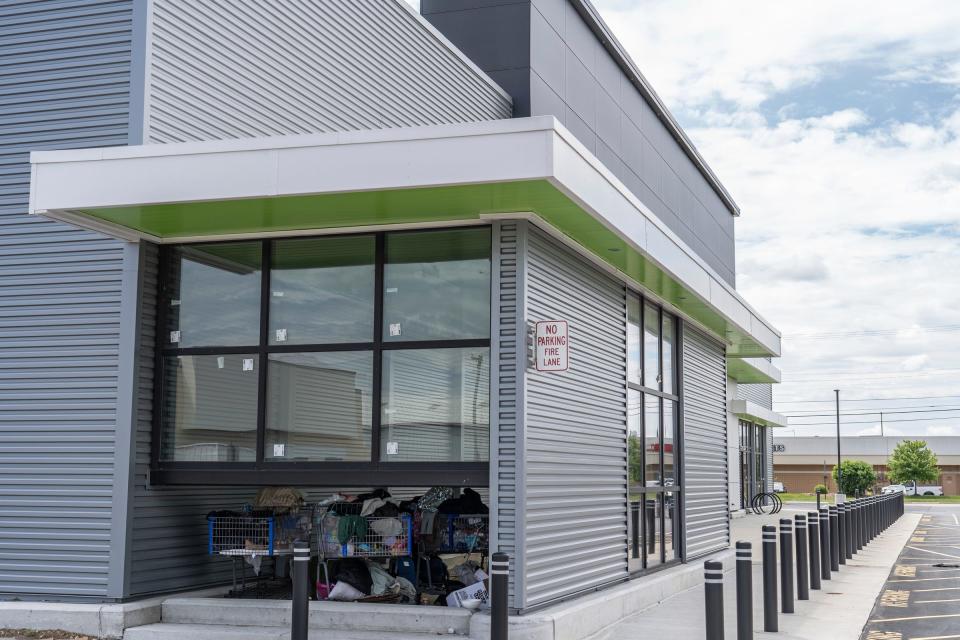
x: 836, y: 128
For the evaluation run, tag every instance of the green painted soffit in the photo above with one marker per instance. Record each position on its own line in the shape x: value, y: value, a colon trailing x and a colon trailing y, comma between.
x: 437, y: 204
x: 743, y: 372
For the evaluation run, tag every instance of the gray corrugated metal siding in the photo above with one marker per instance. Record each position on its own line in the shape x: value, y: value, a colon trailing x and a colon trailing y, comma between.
x: 704, y: 444
x: 507, y: 415
x: 575, y: 467
x: 761, y: 394
x: 64, y: 83
x: 235, y: 68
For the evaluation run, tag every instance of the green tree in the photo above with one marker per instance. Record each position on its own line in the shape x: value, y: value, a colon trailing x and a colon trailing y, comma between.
x: 855, y: 476
x: 634, y: 449
x: 912, y: 461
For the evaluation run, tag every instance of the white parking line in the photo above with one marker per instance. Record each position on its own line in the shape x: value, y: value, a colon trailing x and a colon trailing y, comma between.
x: 929, y: 601
x: 955, y: 519
x: 945, y: 555
x: 945, y: 615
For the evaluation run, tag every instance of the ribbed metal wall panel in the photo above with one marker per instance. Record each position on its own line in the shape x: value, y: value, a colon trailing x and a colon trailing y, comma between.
x: 575, y: 462
x: 507, y: 411
x: 235, y: 68
x: 761, y: 394
x: 706, y: 519
x: 64, y: 83
x: 169, y: 536
x: 769, y: 454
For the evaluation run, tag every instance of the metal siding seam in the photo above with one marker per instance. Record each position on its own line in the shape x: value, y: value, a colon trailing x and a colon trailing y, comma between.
x: 494, y: 413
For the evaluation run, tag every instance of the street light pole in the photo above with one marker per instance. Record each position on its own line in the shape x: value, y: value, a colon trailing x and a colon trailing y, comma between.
x: 837, y: 395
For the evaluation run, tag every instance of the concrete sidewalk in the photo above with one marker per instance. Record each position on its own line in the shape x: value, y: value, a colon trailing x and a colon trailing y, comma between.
x: 838, y: 611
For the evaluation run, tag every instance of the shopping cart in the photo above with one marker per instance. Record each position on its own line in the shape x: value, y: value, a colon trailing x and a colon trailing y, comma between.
x: 376, y: 538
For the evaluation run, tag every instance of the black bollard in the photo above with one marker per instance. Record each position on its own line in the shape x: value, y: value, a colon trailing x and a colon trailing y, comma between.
x: 824, y: 519
x: 786, y: 565
x: 650, y: 521
x: 300, y: 614
x: 744, y: 591
x: 841, y: 534
x: 813, y: 534
x: 858, y: 528
x: 834, y: 538
x: 499, y: 576
x: 847, y: 529
x: 800, y: 539
x: 713, y: 598
x: 769, y: 578
x: 635, y: 524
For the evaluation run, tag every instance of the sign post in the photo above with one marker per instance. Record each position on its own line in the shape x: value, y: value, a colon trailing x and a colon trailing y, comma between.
x: 552, y: 346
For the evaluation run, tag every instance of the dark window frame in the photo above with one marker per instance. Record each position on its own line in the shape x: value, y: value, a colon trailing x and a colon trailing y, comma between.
x: 658, y: 492
x: 316, y: 473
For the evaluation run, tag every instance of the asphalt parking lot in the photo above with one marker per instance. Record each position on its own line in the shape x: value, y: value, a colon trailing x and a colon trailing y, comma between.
x: 921, y: 598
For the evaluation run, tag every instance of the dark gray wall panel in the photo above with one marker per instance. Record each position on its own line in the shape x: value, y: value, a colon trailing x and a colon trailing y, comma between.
x: 228, y: 69
x: 575, y: 463
x: 64, y: 83
x: 707, y: 524
x: 570, y: 75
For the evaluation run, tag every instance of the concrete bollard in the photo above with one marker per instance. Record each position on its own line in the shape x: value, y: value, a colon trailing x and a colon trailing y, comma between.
x: 813, y: 533
x: 499, y: 575
x: 744, y: 591
x: 800, y: 540
x: 786, y: 565
x: 824, y: 518
x: 713, y: 598
x: 769, y: 578
x: 300, y: 613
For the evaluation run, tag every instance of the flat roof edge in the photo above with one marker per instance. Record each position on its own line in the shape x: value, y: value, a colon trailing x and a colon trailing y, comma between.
x: 756, y: 413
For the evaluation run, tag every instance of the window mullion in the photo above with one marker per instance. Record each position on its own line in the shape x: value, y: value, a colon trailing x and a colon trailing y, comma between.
x: 377, y: 391
x: 266, y: 265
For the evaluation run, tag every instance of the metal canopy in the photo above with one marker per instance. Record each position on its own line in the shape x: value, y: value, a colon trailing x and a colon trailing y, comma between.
x: 448, y: 174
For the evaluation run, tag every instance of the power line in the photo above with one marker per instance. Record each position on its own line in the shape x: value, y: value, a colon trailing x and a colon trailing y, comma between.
x: 864, y: 399
x: 831, y: 424
x: 870, y: 333
x: 869, y: 413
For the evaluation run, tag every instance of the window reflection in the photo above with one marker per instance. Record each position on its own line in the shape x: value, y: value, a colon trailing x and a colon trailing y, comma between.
x: 669, y: 469
x: 319, y: 406
x: 651, y: 346
x: 651, y: 449
x: 634, y: 365
x: 437, y: 285
x: 653, y: 518
x: 436, y: 405
x: 669, y: 340
x: 212, y: 295
x: 210, y: 408
x: 322, y: 290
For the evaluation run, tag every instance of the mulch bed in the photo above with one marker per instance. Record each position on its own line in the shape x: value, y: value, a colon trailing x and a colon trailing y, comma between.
x: 30, y: 634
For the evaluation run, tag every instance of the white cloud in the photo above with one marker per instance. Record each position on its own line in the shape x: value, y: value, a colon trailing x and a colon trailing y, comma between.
x: 850, y: 223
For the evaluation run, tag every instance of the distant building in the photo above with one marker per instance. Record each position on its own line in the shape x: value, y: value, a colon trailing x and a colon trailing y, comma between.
x: 802, y: 463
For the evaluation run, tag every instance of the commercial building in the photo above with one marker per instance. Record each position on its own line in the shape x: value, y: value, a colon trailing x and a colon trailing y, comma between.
x: 804, y: 462
x: 336, y: 245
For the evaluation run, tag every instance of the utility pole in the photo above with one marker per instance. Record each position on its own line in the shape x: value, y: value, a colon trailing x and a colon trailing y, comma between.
x: 836, y: 393
x: 881, y: 424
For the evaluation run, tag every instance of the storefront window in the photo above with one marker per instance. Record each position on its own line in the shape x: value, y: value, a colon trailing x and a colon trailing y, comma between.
x: 329, y: 389
x: 437, y: 285
x: 651, y: 346
x: 322, y: 290
x: 654, y: 487
x: 210, y: 408
x: 436, y: 405
x: 319, y: 406
x: 212, y: 295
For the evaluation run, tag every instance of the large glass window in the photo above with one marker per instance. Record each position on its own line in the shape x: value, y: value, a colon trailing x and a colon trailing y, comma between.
x: 436, y: 405
x: 319, y: 406
x: 210, y: 408
x: 371, y: 348
x: 655, y: 489
x: 436, y: 285
x: 212, y: 295
x: 322, y: 290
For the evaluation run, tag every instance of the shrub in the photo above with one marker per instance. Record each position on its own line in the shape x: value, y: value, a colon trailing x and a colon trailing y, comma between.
x: 821, y: 489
